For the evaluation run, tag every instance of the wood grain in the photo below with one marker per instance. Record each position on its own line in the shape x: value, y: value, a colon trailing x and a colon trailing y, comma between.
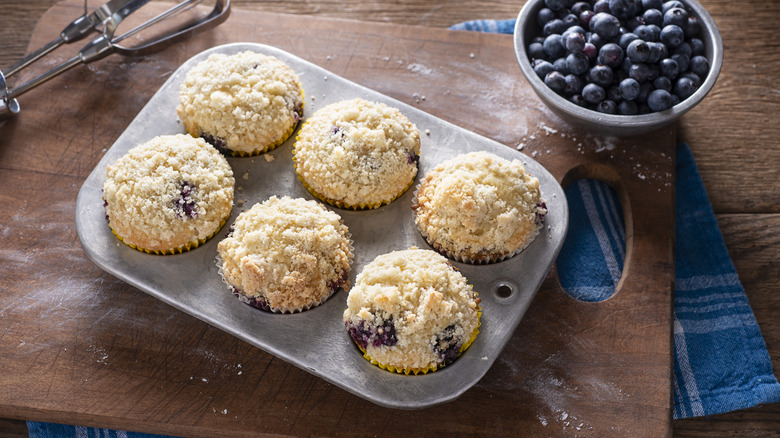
x: 105, y: 354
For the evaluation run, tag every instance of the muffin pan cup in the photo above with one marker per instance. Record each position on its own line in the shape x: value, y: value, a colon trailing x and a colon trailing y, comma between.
x: 316, y: 340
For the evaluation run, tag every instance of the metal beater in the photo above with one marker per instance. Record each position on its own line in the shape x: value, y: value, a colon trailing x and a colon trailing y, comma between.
x: 105, y: 20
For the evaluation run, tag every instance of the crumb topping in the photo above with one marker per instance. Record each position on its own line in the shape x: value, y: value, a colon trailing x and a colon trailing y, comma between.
x: 478, y: 205
x: 290, y: 252
x: 411, y: 309
x: 358, y: 152
x: 168, y: 192
x: 243, y: 102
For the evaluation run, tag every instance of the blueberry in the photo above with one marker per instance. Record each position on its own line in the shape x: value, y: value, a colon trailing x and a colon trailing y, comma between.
x: 184, y: 205
x: 590, y: 51
x: 613, y: 94
x: 593, y: 93
x: 556, y: 81
x: 657, y: 52
x: 654, y: 71
x: 652, y: 4
x: 571, y: 20
x: 554, y: 26
x: 574, y: 41
x: 553, y: 47
x: 610, y: 55
x: 631, y: 23
x: 578, y: 100
x: 601, y: 6
x: 683, y: 61
x: 363, y: 333
x: 574, y: 84
x: 606, y: 25
x: 576, y: 28
x: 672, y: 35
x: 626, y: 38
x: 624, y: 9
x: 542, y: 67
x: 639, y: 71
x: 601, y: 75
x: 697, y: 46
x: 644, y: 32
x: 560, y: 66
x: 577, y: 63
x: 544, y: 15
x: 663, y: 83
x: 672, y: 4
x: 659, y: 100
x: 644, y: 90
x: 693, y: 77
x: 653, y: 16
x: 447, y: 345
x: 536, y: 51
x: 629, y: 89
x: 638, y: 51
x: 669, y: 68
x: 693, y: 27
x: 607, y: 107
x: 700, y: 65
x: 217, y: 142
x: 556, y: 5
x: 580, y: 7
x: 684, y: 87
x: 676, y: 16
x: 655, y: 32
x: 683, y: 49
x: 627, y: 108
x: 585, y: 17
x: 595, y: 39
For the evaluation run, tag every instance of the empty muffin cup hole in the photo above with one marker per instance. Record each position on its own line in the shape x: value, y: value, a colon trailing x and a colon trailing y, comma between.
x: 504, y: 290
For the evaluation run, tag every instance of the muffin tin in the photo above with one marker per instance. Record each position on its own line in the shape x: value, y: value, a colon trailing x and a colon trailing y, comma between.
x: 316, y: 340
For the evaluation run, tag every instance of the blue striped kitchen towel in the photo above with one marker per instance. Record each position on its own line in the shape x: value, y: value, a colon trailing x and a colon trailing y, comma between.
x: 51, y: 430
x: 721, y: 363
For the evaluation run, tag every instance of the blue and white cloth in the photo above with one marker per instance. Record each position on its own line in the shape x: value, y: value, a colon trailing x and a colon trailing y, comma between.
x: 721, y: 362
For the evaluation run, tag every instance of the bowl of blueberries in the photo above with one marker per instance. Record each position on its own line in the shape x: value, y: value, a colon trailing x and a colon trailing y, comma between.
x: 618, y: 67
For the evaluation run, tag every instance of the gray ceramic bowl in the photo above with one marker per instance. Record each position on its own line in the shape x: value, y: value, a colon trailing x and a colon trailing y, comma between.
x: 526, y: 29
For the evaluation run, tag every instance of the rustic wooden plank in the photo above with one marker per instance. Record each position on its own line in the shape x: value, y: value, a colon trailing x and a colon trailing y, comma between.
x: 180, y: 376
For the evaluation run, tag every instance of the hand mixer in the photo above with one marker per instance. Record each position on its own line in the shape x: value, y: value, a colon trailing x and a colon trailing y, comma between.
x: 105, y: 20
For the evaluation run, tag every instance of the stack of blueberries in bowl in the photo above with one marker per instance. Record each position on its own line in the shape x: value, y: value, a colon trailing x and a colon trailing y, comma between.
x: 620, y: 66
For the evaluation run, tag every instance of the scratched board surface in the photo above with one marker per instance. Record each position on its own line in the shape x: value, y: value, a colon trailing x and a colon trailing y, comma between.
x: 80, y: 346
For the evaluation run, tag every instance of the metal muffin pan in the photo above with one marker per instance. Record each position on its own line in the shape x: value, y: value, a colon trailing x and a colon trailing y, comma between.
x: 316, y: 340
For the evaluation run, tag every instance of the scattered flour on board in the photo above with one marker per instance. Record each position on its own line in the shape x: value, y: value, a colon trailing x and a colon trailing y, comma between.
x: 419, y: 68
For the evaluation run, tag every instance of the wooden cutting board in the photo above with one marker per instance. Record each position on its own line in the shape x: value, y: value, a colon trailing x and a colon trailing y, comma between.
x: 80, y: 347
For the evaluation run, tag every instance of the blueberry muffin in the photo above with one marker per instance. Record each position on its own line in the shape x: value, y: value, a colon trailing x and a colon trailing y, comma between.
x: 479, y: 208
x: 286, y: 255
x: 169, y: 194
x: 412, y: 312
x: 245, y: 104
x: 357, y: 154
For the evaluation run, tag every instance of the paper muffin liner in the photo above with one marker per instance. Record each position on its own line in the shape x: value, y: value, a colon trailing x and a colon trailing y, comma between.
x: 466, y: 258
x: 178, y: 250
x: 416, y: 371
x: 269, y: 147
x: 246, y: 299
x: 342, y: 204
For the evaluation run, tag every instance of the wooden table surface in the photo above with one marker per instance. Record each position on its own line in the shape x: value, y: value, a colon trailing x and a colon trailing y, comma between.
x: 733, y: 136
